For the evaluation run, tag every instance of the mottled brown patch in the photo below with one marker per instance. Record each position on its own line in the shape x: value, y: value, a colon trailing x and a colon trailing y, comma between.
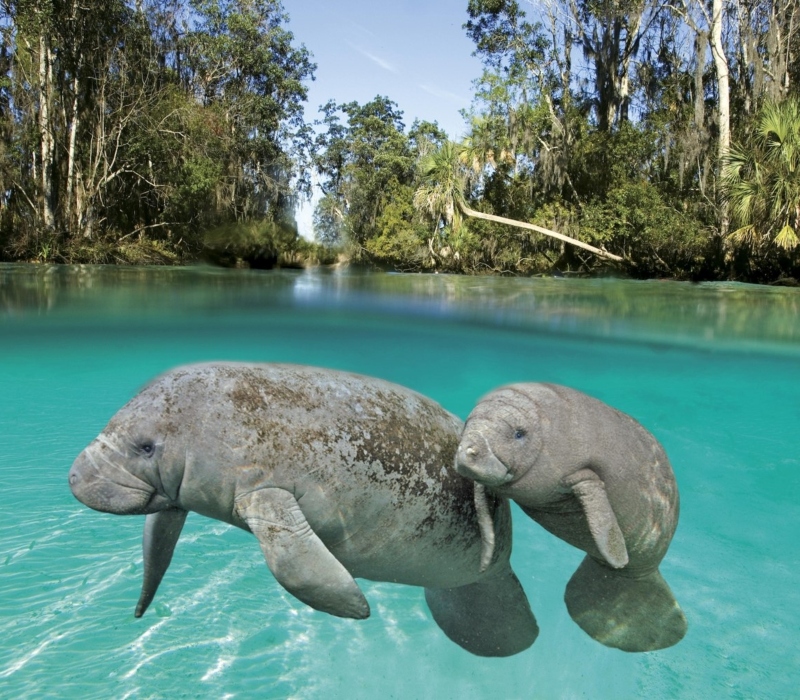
x: 351, y: 434
x: 246, y: 398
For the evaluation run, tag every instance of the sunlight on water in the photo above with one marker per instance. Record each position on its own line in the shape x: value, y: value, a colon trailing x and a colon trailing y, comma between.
x: 711, y: 370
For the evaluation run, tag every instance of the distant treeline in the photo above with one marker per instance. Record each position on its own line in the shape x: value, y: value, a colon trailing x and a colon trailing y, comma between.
x: 664, y: 134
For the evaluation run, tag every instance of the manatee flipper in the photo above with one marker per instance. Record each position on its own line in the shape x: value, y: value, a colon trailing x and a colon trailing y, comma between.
x: 297, y: 557
x: 590, y: 491
x: 632, y: 614
x: 485, y: 525
x: 161, y: 533
x: 489, y: 618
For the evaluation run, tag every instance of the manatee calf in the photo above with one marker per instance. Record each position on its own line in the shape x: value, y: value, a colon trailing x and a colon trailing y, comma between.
x: 337, y: 475
x: 594, y: 477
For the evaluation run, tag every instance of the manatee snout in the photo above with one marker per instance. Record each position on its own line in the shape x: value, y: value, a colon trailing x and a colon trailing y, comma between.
x: 475, y: 460
x: 100, y: 483
x: 81, y: 477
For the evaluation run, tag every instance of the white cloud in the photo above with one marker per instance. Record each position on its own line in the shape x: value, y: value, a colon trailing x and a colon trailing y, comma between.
x: 377, y: 60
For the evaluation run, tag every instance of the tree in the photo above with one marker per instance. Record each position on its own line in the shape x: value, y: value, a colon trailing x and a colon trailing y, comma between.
x: 751, y: 44
x: 241, y: 58
x: 443, y: 179
x: 367, y: 170
x: 610, y: 32
x: 147, y: 124
x: 723, y: 95
x: 761, y: 180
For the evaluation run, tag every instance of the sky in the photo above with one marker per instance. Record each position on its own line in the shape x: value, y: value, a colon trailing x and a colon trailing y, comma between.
x: 414, y: 52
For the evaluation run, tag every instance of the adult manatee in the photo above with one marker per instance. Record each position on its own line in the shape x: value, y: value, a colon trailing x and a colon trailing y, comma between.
x: 337, y: 475
x: 597, y: 479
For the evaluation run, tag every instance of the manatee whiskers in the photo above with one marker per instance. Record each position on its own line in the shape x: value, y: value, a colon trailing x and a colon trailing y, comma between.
x: 129, y: 481
x: 103, y: 440
x: 146, y: 486
x: 93, y: 457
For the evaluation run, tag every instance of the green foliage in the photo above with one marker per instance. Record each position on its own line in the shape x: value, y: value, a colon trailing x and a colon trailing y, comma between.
x: 399, y: 244
x: 605, y: 160
x: 367, y: 168
x: 503, y: 38
x: 150, y: 126
x: 161, y: 132
x: 329, y: 220
x: 260, y: 243
x: 635, y: 220
x: 762, y: 180
x: 565, y: 154
x: 443, y: 178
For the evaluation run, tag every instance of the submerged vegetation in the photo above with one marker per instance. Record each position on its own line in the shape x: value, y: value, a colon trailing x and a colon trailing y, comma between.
x: 657, y: 140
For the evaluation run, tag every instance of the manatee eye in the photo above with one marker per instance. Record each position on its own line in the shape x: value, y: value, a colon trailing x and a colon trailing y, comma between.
x: 147, y: 448
x: 520, y: 433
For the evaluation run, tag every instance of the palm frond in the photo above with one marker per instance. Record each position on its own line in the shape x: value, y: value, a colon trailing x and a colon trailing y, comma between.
x: 787, y: 238
x: 761, y: 180
x: 745, y: 234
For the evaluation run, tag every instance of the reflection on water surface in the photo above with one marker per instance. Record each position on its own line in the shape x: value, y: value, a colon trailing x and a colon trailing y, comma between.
x: 708, y: 314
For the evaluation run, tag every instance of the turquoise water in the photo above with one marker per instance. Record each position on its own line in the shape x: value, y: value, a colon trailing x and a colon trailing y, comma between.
x: 712, y: 370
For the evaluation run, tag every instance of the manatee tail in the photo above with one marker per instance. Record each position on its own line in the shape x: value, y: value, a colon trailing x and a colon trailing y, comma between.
x: 489, y: 618
x: 626, y: 613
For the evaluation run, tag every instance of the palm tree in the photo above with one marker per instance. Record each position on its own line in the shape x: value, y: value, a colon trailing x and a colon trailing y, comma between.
x: 762, y: 183
x: 445, y: 175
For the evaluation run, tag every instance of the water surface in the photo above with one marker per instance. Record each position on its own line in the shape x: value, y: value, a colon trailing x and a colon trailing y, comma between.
x: 712, y: 370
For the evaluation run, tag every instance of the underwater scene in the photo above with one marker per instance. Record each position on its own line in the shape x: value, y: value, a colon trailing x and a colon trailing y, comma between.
x: 711, y: 370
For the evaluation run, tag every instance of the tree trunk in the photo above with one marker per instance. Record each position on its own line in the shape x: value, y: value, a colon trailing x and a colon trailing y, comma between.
x: 701, y: 46
x: 73, y: 213
x: 46, y: 138
x: 780, y: 36
x: 623, y: 86
x: 539, y: 229
x: 609, y: 37
x: 724, y: 96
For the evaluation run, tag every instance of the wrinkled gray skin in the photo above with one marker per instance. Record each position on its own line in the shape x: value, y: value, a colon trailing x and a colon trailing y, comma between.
x: 594, y: 477
x: 337, y: 475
